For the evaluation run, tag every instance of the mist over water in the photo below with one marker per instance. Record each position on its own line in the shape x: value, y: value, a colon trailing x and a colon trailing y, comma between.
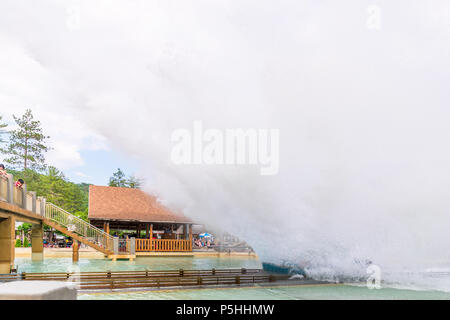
x: 362, y: 113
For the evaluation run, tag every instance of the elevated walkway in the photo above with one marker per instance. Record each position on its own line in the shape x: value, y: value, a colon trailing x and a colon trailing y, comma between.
x: 20, y: 205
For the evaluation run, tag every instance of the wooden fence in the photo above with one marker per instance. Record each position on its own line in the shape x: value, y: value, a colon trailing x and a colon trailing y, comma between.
x: 148, y: 279
x: 166, y: 245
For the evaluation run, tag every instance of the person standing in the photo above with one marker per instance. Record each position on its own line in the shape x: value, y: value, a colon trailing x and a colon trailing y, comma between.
x: 19, y: 184
x: 3, y: 172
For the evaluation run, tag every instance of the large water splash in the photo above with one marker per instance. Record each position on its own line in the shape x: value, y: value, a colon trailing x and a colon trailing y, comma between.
x: 362, y: 112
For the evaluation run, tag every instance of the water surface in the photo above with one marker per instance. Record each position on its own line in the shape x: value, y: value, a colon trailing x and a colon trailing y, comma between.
x: 141, y: 263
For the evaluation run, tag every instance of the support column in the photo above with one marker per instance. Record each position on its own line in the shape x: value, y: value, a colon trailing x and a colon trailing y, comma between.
x: 147, y: 231
x: 33, y: 202
x: 151, y: 237
x: 10, y: 189
x: 7, y: 244
x: 132, y: 247
x: 37, y: 242
x: 75, y: 251
x: 24, y: 197
x: 116, y: 245
x: 190, y: 237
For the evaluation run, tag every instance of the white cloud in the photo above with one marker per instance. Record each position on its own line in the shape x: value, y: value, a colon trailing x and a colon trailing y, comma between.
x: 26, y: 83
x: 82, y: 175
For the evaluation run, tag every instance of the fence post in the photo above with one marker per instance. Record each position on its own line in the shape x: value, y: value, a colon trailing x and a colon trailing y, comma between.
x: 42, y: 203
x: 10, y: 188
x: 132, y: 245
x: 33, y: 201
x: 116, y: 245
x: 24, y: 197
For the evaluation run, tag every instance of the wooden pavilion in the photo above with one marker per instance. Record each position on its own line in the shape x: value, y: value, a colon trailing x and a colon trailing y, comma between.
x: 139, y: 215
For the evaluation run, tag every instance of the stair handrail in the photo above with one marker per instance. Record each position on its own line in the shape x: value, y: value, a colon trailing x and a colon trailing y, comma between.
x: 79, y: 226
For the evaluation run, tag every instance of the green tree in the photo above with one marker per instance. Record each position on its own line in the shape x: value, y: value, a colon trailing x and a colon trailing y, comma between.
x: 2, y: 131
x: 26, y: 227
x: 118, y: 179
x: 27, y: 144
x: 57, y: 189
x: 134, y: 182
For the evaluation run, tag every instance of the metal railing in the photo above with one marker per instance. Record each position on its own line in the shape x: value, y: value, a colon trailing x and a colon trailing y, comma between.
x: 78, y: 226
x: 124, y: 246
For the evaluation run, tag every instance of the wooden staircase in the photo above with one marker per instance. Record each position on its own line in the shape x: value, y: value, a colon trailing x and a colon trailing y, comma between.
x: 77, y: 237
x: 78, y: 229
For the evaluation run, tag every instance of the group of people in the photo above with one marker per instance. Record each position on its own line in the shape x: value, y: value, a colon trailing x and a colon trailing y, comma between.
x: 202, y: 243
x: 19, y: 183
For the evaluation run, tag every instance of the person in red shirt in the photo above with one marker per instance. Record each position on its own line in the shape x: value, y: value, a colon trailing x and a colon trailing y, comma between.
x: 3, y: 172
x: 19, y: 184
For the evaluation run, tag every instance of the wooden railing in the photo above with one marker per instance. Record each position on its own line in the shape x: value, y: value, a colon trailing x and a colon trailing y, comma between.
x: 163, y: 245
x: 154, y: 278
x: 78, y: 226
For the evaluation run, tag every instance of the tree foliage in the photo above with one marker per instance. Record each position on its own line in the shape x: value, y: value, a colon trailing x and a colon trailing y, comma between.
x: 27, y: 144
x: 119, y: 180
x: 2, y: 131
x: 57, y: 189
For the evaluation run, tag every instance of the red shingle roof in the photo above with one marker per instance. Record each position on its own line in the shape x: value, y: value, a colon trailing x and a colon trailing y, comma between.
x: 113, y: 203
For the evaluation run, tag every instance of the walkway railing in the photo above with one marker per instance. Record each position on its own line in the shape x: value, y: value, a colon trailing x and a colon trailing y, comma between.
x: 20, y: 197
x: 70, y: 224
x: 167, y: 245
x: 76, y: 225
x: 3, y: 188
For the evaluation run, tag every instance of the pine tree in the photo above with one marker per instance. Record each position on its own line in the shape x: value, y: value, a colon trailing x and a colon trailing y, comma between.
x: 118, y: 179
x: 27, y: 147
x: 134, y: 182
x: 2, y: 132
